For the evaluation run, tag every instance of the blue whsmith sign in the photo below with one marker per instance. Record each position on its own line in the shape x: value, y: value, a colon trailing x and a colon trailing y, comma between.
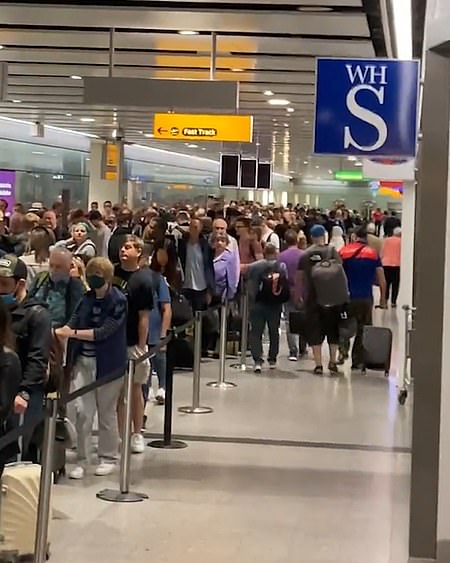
x: 366, y: 107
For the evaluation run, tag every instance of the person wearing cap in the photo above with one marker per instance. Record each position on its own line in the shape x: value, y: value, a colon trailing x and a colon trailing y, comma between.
x: 323, y: 321
x: 362, y: 266
x: 31, y: 325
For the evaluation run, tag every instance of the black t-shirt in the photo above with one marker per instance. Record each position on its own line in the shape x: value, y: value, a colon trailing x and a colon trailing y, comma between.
x: 138, y: 288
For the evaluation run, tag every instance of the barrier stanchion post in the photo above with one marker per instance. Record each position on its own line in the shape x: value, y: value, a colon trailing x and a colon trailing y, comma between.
x: 196, y: 408
x: 45, y: 486
x: 167, y: 442
x: 222, y: 384
x: 244, y: 329
x: 124, y: 494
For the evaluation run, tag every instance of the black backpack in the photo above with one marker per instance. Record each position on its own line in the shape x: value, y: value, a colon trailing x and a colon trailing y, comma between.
x: 273, y: 287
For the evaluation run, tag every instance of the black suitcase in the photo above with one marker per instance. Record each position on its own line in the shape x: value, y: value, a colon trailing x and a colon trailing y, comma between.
x: 377, y: 345
x: 298, y: 322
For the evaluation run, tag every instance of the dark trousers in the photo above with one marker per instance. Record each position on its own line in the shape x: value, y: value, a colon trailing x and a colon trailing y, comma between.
x: 32, y: 439
x: 392, y: 275
x: 361, y: 311
x: 260, y: 315
x: 197, y: 299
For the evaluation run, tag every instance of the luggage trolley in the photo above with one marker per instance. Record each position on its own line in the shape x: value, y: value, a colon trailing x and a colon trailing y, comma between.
x: 406, y: 375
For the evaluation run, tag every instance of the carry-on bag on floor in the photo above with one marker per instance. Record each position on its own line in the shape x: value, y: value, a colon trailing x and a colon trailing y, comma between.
x: 18, y: 511
x: 377, y: 345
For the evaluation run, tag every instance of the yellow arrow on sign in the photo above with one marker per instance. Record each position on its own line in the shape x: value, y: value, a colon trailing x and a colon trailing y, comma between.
x: 187, y: 127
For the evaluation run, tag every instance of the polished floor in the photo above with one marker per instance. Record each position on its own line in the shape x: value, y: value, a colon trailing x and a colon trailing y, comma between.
x: 289, y: 468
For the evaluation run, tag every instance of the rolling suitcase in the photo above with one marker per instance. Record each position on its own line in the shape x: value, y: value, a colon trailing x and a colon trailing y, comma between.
x: 377, y: 348
x: 18, y: 511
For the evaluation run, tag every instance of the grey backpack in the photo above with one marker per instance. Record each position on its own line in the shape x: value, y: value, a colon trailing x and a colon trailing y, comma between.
x: 329, y: 281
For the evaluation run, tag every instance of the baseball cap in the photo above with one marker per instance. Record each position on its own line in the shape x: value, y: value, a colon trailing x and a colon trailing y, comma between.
x: 317, y: 231
x: 12, y: 267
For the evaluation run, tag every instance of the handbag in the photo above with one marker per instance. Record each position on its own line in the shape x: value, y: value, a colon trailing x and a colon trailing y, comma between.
x: 181, y: 309
x: 298, y: 322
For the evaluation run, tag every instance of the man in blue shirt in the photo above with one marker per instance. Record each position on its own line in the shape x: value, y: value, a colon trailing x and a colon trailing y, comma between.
x: 363, y: 268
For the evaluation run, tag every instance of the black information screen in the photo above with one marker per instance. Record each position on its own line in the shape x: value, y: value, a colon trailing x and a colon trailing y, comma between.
x: 248, y: 173
x: 229, y: 170
x: 264, y: 176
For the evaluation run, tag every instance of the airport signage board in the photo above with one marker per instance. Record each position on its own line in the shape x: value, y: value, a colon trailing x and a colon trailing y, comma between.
x: 194, y: 127
x: 366, y: 107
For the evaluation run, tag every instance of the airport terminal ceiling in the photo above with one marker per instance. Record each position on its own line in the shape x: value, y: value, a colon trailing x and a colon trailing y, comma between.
x: 268, y: 47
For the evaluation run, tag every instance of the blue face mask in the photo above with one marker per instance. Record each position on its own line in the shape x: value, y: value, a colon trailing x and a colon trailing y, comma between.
x: 8, y: 298
x: 58, y: 277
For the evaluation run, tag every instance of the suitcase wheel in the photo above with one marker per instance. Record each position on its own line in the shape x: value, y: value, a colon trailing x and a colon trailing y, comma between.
x: 402, y: 396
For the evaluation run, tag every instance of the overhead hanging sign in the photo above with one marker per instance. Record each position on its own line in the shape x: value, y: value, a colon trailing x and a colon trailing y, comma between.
x: 192, y: 127
x: 366, y: 107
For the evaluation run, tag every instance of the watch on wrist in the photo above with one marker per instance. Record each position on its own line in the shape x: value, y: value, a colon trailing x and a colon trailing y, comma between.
x: 24, y: 395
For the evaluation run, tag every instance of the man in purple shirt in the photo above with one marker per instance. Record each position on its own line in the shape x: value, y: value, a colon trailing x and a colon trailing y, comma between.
x: 291, y: 258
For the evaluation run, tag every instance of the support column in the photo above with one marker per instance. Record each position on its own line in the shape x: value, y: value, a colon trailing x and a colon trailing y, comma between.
x: 101, y: 189
x: 407, y: 266
x: 430, y: 472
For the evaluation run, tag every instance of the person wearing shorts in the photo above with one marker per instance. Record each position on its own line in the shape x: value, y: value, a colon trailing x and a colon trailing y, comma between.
x: 136, y: 283
x: 323, y: 322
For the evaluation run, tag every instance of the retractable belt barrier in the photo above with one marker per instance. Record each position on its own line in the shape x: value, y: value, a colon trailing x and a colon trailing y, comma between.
x: 50, y: 415
x: 51, y: 409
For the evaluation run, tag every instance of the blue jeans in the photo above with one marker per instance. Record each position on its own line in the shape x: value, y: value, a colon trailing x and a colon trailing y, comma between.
x: 260, y: 315
x: 159, y: 364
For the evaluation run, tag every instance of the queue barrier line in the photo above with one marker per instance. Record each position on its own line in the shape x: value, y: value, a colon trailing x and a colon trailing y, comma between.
x: 50, y: 416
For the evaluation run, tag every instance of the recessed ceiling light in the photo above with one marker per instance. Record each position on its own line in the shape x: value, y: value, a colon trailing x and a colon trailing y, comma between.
x: 16, y: 101
x: 352, y: 158
x: 1, y: 47
x: 305, y: 162
x: 187, y: 32
x: 68, y: 115
x: 306, y: 122
x: 203, y: 149
x: 76, y: 77
x: 37, y: 152
x: 237, y: 70
x: 279, y: 102
x: 149, y: 135
x: 87, y: 119
x: 317, y: 166
x: 192, y: 146
x: 286, y: 124
x: 358, y: 163
x: 290, y: 110
x: 330, y: 171
x: 268, y: 93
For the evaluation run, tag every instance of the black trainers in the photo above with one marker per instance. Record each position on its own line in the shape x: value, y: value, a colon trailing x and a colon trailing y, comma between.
x: 318, y: 370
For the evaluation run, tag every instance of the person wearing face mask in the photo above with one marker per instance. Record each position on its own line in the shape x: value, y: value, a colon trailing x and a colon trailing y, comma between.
x: 31, y: 325
x: 97, y: 348
x: 57, y: 288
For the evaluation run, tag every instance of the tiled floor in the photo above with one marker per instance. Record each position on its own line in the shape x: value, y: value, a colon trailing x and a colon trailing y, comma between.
x: 335, y: 492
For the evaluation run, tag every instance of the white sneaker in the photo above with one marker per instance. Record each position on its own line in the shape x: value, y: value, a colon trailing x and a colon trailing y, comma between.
x: 258, y: 368
x: 77, y: 473
x: 137, y: 444
x: 160, y: 396
x: 104, y: 468
x: 292, y: 358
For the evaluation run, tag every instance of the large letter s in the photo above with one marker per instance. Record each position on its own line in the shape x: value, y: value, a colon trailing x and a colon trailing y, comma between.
x: 367, y: 116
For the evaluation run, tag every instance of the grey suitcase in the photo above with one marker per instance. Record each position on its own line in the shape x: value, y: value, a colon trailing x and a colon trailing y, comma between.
x: 377, y: 345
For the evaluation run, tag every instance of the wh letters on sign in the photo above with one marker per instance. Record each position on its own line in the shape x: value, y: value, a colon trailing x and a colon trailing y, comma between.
x: 366, y: 107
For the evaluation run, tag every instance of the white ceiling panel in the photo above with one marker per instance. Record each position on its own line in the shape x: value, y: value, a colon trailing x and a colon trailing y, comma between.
x: 270, y: 22
x: 269, y: 48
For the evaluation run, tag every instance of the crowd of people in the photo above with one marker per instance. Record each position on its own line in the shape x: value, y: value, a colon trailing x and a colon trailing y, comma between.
x: 84, y: 292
